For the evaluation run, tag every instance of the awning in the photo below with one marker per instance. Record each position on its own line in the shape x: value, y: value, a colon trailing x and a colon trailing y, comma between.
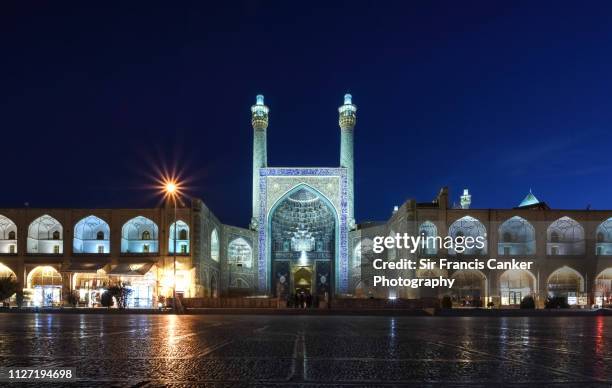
x: 131, y: 269
x: 84, y: 267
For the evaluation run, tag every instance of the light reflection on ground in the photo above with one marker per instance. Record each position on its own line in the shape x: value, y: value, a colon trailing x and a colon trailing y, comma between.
x: 154, y: 350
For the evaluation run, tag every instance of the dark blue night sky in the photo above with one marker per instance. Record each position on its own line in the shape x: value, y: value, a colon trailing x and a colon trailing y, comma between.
x: 499, y: 97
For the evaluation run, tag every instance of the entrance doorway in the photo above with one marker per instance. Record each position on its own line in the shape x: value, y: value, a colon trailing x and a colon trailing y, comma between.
x: 515, y: 284
x: 303, y: 226
x: 302, y: 280
x: 511, y: 297
x: 47, y: 296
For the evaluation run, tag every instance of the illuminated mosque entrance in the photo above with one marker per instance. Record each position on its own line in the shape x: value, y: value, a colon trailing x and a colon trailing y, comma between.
x: 303, y: 244
x: 302, y: 280
x: 303, y: 215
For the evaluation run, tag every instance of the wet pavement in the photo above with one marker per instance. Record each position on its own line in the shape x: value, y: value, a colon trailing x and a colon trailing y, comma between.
x: 195, y: 350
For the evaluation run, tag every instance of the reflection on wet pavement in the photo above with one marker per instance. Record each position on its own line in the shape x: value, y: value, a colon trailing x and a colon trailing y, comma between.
x: 158, y: 350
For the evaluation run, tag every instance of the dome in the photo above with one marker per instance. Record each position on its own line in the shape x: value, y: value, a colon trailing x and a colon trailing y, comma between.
x: 529, y: 200
x: 303, y: 195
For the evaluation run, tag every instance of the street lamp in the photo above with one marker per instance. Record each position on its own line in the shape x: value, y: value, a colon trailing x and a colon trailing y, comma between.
x: 171, y: 189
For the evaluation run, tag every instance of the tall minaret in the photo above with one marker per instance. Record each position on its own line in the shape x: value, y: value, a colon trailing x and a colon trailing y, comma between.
x: 347, y: 119
x: 259, y: 121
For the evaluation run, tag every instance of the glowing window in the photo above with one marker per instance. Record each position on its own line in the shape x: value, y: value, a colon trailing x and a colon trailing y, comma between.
x: 89, y: 234
x: 136, y: 233
x: 180, y: 230
x: 468, y: 226
x: 567, y: 235
x: 517, y: 237
x: 429, y: 229
x: 214, y: 245
x: 240, y: 252
x: 43, y: 235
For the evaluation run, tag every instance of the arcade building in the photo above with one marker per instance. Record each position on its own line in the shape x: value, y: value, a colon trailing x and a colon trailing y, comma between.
x: 302, y: 237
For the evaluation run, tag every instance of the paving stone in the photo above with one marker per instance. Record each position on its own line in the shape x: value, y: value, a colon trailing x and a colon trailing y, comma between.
x: 279, y: 351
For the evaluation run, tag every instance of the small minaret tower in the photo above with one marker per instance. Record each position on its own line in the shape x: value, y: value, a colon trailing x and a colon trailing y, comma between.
x: 347, y: 120
x: 259, y: 121
x: 466, y: 199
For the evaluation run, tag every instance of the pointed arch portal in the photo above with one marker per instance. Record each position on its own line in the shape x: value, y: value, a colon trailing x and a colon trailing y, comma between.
x: 329, y: 189
x: 303, y: 237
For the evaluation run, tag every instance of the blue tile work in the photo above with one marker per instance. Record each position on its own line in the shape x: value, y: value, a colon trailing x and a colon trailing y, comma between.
x: 342, y: 261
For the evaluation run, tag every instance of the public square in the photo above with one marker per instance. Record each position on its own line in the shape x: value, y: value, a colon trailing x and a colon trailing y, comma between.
x: 273, y: 350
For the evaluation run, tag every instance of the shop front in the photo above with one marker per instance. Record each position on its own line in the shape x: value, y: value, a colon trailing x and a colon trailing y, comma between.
x: 141, y: 279
x: 184, y: 281
x: 45, y: 286
x: 89, y: 281
x: 603, y: 289
x: 514, y: 285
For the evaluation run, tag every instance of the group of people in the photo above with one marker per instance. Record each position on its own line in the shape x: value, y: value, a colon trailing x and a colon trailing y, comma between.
x: 303, y: 300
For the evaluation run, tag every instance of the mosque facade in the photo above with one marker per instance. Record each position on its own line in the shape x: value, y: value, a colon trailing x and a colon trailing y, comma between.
x: 303, y: 238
